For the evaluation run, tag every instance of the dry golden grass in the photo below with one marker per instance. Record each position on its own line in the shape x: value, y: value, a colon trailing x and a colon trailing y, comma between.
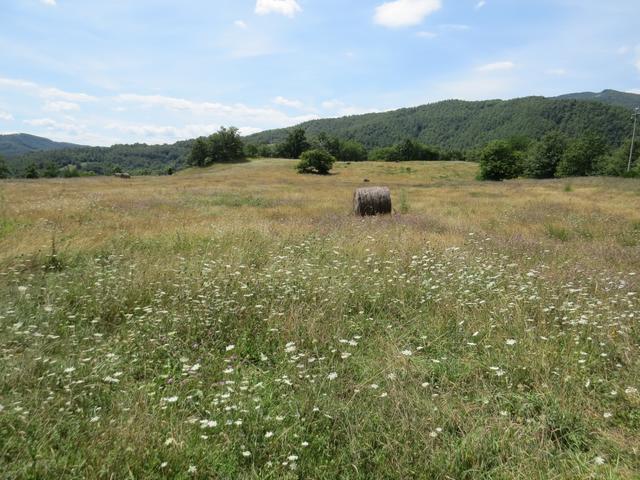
x: 598, y: 219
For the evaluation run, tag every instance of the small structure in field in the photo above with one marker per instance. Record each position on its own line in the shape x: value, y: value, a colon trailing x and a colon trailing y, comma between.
x: 372, y: 201
x: 122, y: 175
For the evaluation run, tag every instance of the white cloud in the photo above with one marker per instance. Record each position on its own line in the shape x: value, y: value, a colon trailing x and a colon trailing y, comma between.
x: 480, y: 4
x: 405, y: 13
x: 61, y: 106
x: 45, y: 92
x: 426, y: 34
x: 496, y: 67
x: 241, y: 24
x: 284, y: 7
x: 456, y: 27
x: 634, y: 90
x: 51, y: 3
x: 5, y: 116
x: 70, y: 127
x: 285, y: 102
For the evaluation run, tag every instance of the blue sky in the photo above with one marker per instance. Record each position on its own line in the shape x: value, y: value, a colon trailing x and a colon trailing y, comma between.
x: 155, y: 71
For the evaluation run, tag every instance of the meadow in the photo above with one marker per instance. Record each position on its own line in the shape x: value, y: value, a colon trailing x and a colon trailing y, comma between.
x: 239, y: 322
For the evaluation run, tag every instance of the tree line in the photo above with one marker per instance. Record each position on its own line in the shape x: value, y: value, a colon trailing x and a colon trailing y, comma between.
x: 556, y: 155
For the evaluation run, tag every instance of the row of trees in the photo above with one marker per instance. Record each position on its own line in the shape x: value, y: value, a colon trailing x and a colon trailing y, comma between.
x: 555, y: 155
x: 296, y: 143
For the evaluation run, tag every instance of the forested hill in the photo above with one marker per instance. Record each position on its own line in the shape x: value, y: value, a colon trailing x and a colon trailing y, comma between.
x: 20, y: 143
x: 138, y: 159
x: 610, y: 97
x: 459, y: 125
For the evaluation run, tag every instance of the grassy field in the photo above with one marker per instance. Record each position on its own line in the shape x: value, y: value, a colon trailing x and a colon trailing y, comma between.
x: 238, y: 322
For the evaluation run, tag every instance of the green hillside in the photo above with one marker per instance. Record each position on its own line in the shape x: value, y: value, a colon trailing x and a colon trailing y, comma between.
x: 137, y: 159
x: 21, y: 143
x: 456, y: 124
x: 610, y: 97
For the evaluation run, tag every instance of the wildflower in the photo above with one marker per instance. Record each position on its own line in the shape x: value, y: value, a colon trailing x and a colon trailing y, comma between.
x: 69, y: 370
x: 631, y: 391
x: 170, y: 399
x: 246, y: 453
x: 164, y: 464
x: 607, y: 415
x: 94, y: 419
x: 192, y: 469
x: 332, y: 376
x: 407, y: 353
x: 292, y: 458
x: 511, y: 342
x: 22, y: 289
x: 599, y: 460
x: 268, y: 435
x: 230, y: 347
x: 290, y: 347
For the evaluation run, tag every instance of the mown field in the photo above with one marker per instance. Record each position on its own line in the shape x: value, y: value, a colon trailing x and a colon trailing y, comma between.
x: 238, y: 322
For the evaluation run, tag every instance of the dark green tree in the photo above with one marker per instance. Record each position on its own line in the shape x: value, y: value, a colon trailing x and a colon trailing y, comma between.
x: 295, y: 144
x: 316, y: 161
x: 4, y: 169
x: 352, y: 151
x: 226, y: 146
x: 500, y: 161
x: 199, y: 153
x: 616, y: 163
x: 543, y: 158
x: 50, y: 170
x: 31, y: 171
x: 251, y: 151
x: 582, y: 156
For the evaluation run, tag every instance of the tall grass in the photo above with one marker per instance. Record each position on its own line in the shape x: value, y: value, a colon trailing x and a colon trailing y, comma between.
x: 184, y: 336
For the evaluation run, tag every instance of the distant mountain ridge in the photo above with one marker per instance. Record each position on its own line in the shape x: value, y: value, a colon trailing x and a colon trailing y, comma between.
x: 13, y: 145
x: 461, y: 125
x: 610, y: 97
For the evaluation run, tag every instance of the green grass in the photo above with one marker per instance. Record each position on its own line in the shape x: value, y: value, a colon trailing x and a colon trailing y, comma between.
x: 208, y: 338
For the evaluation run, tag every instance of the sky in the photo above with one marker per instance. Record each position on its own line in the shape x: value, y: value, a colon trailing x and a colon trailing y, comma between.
x: 157, y: 71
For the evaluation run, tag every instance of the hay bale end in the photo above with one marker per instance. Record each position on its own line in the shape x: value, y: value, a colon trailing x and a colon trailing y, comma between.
x: 372, y: 201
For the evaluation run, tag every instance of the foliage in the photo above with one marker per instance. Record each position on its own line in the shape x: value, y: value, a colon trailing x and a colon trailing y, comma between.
x: 51, y: 170
x: 616, y: 163
x: 137, y: 159
x: 543, y: 158
x: 16, y: 144
x: 582, y: 156
x: 31, y: 171
x: 223, y: 146
x: 316, y: 161
x: 295, y: 144
x: 499, y: 160
x: 4, y: 169
x: 199, y: 156
x: 406, y: 150
x: 461, y: 125
x: 342, y: 150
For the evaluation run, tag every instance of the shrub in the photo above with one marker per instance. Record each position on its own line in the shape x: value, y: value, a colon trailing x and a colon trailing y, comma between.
x: 315, y: 161
x: 500, y: 161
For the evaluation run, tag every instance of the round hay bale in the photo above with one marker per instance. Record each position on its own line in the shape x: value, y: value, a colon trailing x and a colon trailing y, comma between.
x: 372, y: 201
